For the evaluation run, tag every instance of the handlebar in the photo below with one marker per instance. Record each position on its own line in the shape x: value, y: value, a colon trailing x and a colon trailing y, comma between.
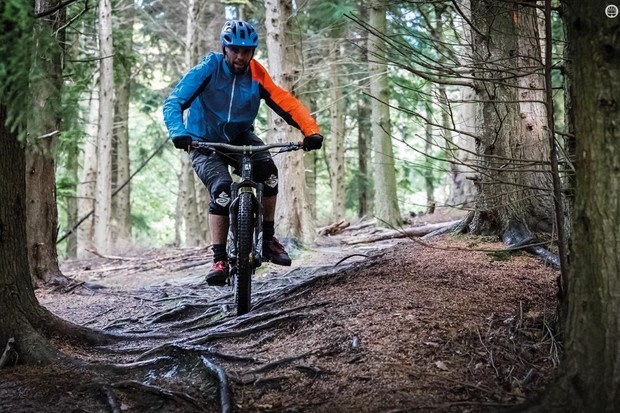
x: 247, y: 149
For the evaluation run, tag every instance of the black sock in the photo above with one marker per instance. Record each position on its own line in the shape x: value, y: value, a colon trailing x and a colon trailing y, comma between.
x: 219, y: 252
x: 268, y: 230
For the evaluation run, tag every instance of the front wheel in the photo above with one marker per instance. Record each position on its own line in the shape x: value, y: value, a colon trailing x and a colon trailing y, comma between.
x: 245, y: 253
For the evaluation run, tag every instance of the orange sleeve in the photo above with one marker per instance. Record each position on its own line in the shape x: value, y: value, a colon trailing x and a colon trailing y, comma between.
x: 282, y: 102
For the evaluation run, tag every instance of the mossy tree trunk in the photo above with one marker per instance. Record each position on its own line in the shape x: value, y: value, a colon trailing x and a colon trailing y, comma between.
x: 44, y: 128
x: 515, y: 182
x: 589, y: 376
x: 384, y: 172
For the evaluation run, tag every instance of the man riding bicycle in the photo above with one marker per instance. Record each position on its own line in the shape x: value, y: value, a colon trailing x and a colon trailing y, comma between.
x: 222, y: 95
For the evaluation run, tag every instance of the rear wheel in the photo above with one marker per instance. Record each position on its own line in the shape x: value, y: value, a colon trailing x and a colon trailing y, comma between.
x: 245, y: 252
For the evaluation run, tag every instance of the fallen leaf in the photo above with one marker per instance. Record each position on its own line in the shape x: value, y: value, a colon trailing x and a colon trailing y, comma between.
x: 441, y: 365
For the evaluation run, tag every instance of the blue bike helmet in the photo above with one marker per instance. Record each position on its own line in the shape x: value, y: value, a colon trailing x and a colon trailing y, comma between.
x: 238, y: 33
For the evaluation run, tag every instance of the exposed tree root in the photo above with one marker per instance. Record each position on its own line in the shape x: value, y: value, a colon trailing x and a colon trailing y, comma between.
x: 249, y: 377
x: 9, y: 355
x: 202, y: 350
x: 517, y: 236
x: 205, y: 338
x: 141, y: 363
x: 158, y: 391
x: 224, y: 388
x: 111, y: 398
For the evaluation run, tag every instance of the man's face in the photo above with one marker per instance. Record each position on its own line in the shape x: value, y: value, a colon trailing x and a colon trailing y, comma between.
x: 238, y: 58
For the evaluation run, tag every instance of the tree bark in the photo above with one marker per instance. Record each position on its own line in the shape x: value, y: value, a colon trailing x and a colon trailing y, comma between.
x: 336, y: 135
x: 429, y: 184
x: 589, y: 378
x: 88, y: 178
x: 72, y: 168
x: 515, y: 180
x: 103, y: 206
x: 386, y: 198
x: 293, y: 216
x: 364, y: 127
x: 187, y: 202
x: 363, y: 137
x: 463, y: 190
x: 44, y: 128
x: 121, y: 203
x: 23, y: 319
x: 203, y: 28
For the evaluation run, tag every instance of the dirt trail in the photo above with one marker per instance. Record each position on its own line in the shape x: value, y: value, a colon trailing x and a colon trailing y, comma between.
x: 394, y: 326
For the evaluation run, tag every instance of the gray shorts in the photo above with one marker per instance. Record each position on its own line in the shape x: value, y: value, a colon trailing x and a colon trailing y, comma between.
x: 213, y: 170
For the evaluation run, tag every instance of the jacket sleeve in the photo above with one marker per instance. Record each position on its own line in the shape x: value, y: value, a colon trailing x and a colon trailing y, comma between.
x: 282, y: 102
x: 184, y: 94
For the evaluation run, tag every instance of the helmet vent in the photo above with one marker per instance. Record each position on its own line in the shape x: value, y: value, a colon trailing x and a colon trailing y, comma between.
x: 238, y: 33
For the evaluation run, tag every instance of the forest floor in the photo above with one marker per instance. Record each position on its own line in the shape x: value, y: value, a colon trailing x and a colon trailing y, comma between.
x: 397, y: 325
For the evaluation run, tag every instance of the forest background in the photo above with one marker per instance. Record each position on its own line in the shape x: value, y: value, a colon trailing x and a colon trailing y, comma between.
x: 118, y: 183
x: 475, y: 98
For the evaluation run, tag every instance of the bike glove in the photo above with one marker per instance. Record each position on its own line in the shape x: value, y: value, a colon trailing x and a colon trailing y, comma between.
x: 314, y: 141
x: 182, y: 142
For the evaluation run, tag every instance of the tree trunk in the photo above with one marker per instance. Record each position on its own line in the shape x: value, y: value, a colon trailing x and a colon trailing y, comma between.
x: 363, y: 137
x: 208, y: 39
x: 23, y: 319
x: 187, y: 207
x: 515, y: 185
x: 364, y: 127
x: 88, y: 178
x: 103, y: 207
x: 462, y: 189
x: 121, y: 203
x: 569, y: 143
x: 43, y: 129
x: 386, y: 199
x: 589, y: 378
x: 293, y: 216
x: 429, y: 184
x: 310, y: 163
x: 336, y: 135
x: 17, y: 298
x: 72, y: 167
x: 203, y: 29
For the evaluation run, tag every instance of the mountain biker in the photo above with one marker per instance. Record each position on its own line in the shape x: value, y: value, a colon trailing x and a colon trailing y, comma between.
x: 221, y: 96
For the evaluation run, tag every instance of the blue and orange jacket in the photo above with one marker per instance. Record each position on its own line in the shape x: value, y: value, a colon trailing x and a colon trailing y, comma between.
x: 221, y: 104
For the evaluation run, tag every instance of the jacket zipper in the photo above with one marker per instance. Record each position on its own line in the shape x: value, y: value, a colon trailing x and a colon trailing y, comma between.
x: 232, y: 95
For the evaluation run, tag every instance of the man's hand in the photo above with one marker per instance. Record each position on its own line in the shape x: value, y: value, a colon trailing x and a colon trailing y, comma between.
x: 182, y: 142
x: 314, y: 141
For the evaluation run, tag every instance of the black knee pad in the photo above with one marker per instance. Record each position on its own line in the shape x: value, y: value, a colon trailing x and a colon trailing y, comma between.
x: 266, y: 172
x: 220, y: 196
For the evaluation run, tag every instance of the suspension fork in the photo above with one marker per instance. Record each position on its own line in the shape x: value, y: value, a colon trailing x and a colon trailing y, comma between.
x: 231, y: 241
x: 246, y: 184
x: 258, y: 234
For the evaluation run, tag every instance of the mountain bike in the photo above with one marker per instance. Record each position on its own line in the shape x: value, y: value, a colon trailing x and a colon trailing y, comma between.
x: 244, y: 244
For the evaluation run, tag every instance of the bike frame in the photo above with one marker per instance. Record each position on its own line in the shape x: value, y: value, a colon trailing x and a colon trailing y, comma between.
x: 245, y: 185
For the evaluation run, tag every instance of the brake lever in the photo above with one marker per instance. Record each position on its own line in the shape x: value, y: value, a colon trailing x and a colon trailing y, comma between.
x: 291, y: 147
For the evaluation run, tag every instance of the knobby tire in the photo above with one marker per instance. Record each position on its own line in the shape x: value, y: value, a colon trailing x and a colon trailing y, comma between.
x: 245, y: 253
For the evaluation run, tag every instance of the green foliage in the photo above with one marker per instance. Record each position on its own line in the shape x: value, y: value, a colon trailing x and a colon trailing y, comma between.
x: 65, y: 186
x: 16, y: 43
x: 148, y: 99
